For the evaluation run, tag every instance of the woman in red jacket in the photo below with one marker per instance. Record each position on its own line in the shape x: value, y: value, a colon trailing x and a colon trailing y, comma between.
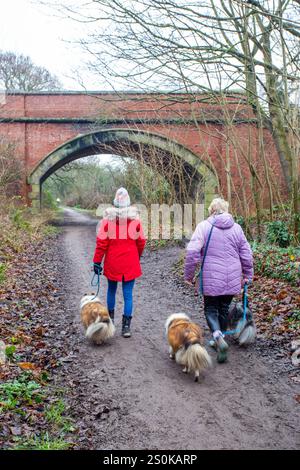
x: 121, y: 240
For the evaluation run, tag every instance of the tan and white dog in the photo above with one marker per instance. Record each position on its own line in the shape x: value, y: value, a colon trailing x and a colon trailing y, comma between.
x: 186, y: 344
x: 95, y: 319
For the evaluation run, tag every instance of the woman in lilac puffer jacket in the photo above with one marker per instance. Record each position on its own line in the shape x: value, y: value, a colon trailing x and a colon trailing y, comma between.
x: 228, y: 265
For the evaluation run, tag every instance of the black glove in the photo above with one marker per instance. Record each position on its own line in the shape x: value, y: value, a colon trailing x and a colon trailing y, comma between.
x: 97, y: 268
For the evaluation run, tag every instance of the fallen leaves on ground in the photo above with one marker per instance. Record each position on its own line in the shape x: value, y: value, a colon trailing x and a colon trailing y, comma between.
x: 31, y: 292
x: 276, y: 306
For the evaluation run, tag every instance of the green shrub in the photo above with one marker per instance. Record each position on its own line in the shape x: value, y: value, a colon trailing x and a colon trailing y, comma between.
x: 18, y: 392
x: 10, y: 351
x: 277, y: 263
x: 48, y: 200
x: 18, y: 219
x: 239, y: 219
x: 278, y: 233
x: 2, y: 272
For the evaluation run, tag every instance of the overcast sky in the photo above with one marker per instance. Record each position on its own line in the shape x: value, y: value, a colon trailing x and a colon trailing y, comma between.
x: 27, y: 27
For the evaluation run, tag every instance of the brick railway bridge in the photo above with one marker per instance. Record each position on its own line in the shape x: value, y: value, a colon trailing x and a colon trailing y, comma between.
x: 215, y: 139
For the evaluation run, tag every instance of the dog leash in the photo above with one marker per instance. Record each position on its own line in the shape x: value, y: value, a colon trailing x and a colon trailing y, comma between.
x: 202, y: 264
x: 93, y: 284
x: 245, y: 298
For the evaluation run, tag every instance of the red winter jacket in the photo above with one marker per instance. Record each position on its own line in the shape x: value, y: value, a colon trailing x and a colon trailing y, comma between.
x: 121, y: 240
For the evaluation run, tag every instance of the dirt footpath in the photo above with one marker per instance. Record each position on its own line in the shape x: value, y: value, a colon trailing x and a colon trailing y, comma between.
x: 128, y: 394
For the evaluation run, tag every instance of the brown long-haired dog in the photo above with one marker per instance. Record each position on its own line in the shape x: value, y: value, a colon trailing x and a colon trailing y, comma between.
x: 186, y: 344
x: 95, y: 319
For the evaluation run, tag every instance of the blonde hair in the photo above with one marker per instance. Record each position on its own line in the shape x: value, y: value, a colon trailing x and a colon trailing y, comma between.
x: 218, y: 206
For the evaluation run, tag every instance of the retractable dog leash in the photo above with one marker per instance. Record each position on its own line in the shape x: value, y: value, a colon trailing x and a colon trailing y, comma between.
x: 245, y: 290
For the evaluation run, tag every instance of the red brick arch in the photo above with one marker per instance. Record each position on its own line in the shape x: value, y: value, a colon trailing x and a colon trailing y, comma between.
x: 220, y: 132
x: 113, y: 141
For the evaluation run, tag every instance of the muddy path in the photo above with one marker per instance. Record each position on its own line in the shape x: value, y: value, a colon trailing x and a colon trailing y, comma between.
x: 128, y: 394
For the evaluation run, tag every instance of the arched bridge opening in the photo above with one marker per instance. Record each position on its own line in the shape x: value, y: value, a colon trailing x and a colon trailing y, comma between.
x: 192, y: 179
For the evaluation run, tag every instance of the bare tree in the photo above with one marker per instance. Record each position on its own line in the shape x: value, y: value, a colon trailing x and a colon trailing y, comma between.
x: 210, y: 46
x: 19, y: 73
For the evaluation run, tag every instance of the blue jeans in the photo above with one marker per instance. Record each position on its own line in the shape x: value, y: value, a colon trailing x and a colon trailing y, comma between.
x: 127, y: 287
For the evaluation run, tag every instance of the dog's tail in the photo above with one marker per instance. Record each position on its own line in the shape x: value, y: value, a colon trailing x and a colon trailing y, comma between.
x: 99, y: 331
x: 247, y: 335
x: 197, y: 358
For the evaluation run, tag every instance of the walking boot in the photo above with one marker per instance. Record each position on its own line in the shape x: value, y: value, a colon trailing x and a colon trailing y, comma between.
x: 126, y: 326
x: 222, y: 347
x: 112, y: 315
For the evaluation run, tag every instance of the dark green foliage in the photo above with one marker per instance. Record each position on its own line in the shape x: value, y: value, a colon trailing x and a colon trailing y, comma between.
x: 48, y: 200
x: 277, y: 263
x: 18, y: 392
x: 3, y: 268
x: 17, y: 216
x: 278, y: 233
x: 10, y: 351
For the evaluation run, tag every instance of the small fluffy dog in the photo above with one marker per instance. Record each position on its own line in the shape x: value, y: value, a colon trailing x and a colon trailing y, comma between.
x: 95, y: 319
x: 185, y: 341
x: 246, y: 331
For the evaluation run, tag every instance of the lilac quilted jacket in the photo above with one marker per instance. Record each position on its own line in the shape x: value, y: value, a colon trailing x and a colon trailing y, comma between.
x: 229, y: 256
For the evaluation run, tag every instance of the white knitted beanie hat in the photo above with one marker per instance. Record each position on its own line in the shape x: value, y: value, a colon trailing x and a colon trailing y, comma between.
x: 122, y: 198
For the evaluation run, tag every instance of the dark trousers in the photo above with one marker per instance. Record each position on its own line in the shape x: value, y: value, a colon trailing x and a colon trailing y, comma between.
x: 216, y: 311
